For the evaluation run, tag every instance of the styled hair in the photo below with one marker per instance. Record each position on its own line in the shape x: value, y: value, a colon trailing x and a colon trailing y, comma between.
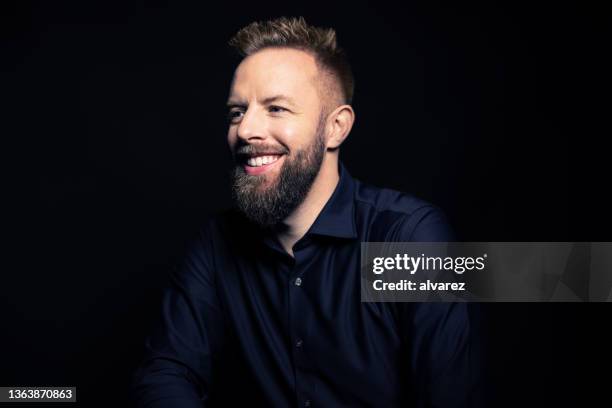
x: 296, y: 33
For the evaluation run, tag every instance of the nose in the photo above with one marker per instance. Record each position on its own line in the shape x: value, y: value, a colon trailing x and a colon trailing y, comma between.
x: 252, y: 126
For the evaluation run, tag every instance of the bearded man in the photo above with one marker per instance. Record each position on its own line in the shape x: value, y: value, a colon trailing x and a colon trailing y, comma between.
x: 266, y: 310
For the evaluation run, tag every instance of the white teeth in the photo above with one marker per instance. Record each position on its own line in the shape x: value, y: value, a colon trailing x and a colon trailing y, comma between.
x: 261, y: 160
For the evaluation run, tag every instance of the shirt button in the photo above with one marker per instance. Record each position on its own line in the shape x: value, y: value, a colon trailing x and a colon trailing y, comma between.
x: 307, y: 403
x: 298, y: 281
x: 299, y: 343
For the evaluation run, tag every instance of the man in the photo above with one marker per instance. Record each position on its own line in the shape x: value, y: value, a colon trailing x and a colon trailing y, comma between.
x: 265, y: 310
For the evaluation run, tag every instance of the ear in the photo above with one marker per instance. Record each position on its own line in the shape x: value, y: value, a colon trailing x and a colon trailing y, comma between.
x: 339, y: 124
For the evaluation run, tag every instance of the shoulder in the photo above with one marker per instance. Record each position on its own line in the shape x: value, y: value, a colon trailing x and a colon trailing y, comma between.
x: 208, y: 244
x: 213, y: 229
x: 227, y: 232
x: 392, y: 215
x: 221, y: 226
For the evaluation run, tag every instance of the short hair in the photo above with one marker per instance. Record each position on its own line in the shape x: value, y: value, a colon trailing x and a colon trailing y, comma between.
x: 296, y: 33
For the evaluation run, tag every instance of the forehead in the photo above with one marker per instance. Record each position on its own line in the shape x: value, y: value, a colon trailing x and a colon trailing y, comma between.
x: 276, y: 71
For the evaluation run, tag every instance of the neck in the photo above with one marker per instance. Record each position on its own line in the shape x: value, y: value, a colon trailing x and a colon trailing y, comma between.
x: 302, y: 218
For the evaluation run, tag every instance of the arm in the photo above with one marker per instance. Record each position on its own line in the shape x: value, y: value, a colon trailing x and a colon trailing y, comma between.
x: 440, y: 350
x: 444, y: 343
x: 177, y: 369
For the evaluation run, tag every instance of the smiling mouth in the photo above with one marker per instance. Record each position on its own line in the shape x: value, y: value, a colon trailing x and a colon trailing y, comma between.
x: 260, y: 163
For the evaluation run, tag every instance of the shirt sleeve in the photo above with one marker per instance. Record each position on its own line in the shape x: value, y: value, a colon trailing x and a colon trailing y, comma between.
x: 442, y: 338
x: 440, y: 355
x: 427, y: 224
x: 177, y: 368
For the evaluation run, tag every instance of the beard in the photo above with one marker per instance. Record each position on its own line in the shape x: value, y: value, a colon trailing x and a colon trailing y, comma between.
x: 268, y: 206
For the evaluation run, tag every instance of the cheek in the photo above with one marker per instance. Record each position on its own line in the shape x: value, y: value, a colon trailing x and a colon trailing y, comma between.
x: 231, y: 136
x: 290, y: 134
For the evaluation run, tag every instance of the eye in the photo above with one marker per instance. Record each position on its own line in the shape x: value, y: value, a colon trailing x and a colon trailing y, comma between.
x: 276, y: 109
x: 233, y: 115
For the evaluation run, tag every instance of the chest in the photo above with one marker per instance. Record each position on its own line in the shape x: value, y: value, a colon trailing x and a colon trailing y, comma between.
x: 313, y: 301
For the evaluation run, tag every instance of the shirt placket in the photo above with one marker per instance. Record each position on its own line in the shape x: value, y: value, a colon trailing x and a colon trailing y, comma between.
x: 298, y: 311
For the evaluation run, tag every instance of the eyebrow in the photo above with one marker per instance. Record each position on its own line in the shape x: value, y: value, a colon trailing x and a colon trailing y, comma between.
x: 265, y: 101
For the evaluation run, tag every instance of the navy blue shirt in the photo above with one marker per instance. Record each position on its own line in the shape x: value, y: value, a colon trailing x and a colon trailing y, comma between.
x: 243, y: 322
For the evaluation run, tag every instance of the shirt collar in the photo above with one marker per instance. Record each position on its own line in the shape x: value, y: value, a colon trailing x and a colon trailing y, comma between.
x: 337, y: 218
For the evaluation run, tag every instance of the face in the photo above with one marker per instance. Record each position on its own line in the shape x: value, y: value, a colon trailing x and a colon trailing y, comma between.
x: 276, y: 132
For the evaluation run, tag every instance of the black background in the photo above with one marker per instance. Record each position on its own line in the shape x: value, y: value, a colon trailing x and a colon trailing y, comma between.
x: 114, y: 127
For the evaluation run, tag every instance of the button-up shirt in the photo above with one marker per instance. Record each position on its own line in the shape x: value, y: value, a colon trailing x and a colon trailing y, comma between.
x: 243, y: 322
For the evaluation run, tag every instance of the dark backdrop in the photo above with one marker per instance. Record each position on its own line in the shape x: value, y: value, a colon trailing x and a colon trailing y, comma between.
x: 114, y: 122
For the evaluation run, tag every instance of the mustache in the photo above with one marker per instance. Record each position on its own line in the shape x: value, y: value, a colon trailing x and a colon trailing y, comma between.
x: 249, y: 150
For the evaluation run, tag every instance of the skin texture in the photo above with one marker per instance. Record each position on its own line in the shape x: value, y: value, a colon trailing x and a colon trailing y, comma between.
x: 289, y: 125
